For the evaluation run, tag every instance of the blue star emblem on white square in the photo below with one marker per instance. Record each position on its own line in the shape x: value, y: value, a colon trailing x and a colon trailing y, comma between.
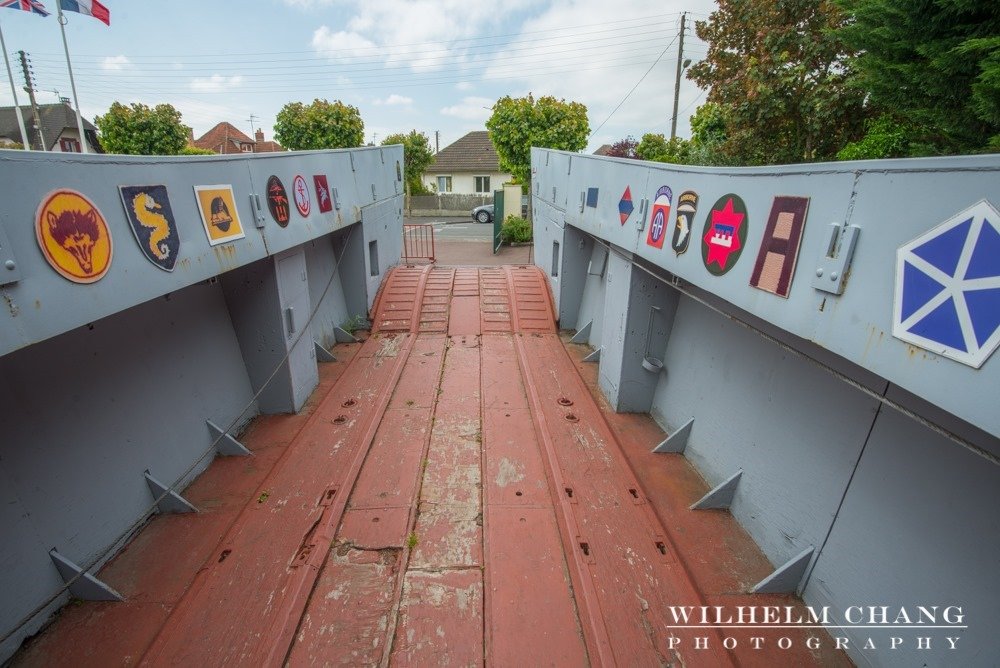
x: 947, y: 297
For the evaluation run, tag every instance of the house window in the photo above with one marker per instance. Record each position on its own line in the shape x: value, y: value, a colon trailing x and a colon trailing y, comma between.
x: 482, y: 184
x: 67, y: 145
x: 444, y: 184
x: 246, y: 148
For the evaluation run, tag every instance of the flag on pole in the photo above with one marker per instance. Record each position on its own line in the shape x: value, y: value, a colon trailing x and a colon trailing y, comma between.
x: 88, y: 7
x: 32, y: 6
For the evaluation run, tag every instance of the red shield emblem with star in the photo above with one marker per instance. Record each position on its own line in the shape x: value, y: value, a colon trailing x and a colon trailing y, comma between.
x: 725, y: 234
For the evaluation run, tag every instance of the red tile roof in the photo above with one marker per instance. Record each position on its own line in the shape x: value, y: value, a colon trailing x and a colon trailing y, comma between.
x: 226, y: 138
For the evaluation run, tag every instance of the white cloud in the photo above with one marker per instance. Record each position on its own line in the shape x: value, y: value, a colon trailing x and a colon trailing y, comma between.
x: 395, y: 100
x: 115, y: 63
x: 422, y: 35
x: 216, y: 83
x: 471, y: 108
x: 464, y: 86
x: 342, y: 46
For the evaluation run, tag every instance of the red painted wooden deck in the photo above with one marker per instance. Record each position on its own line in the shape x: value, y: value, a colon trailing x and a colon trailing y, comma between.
x: 455, y: 493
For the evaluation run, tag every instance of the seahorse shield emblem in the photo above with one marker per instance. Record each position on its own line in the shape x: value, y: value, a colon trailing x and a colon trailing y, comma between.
x: 152, y: 220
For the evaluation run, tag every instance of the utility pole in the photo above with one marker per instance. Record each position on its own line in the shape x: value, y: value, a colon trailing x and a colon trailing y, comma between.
x: 437, y: 141
x: 677, y: 82
x: 30, y: 89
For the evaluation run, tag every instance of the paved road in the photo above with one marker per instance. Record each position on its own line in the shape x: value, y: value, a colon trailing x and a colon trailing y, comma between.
x: 456, y: 229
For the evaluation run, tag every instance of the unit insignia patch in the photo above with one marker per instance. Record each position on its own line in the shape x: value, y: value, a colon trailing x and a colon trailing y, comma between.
x: 323, y: 199
x: 947, y: 297
x: 687, y: 205
x: 217, y: 207
x: 724, y: 235
x: 152, y: 221
x: 659, y: 214
x: 277, y: 201
x: 625, y: 206
x: 301, y: 194
x: 779, y: 248
x: 73, y: 236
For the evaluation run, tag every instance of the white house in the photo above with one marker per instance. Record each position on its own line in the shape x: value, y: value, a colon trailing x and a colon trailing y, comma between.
x: 467, y: 167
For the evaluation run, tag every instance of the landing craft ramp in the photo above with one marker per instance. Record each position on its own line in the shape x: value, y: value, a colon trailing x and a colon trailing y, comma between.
x: 452, y: 495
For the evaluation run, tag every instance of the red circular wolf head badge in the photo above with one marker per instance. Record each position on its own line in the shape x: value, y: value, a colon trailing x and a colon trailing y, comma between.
x: 277, y: 201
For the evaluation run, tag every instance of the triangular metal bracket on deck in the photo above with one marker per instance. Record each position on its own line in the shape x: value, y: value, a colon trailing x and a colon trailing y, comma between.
x: 227, y: 445
x: 341, y: 335
x: 594, y: 356
x: 583, y: 334
x: 721, y: 496
x: 86, y: 586
x: 677, y: 441
x: 322, y: 354
x: 172, y: 502
x: 786, y: 579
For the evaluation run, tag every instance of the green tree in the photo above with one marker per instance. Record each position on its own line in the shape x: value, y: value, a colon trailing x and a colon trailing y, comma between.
x: 933, y: 65
x: 319, y: 125
x: 417, y: 157
x: 884, y: 138
x: 138, y: 130
x: 658, y: 148
x: 517, y: 124
x: 778, y: 72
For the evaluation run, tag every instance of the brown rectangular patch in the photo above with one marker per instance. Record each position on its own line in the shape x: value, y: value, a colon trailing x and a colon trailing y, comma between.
x: 779, y: 248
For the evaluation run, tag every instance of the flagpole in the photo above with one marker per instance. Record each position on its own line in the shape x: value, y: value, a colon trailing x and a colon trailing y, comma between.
x: 72, y: 84
x: 13, y: 90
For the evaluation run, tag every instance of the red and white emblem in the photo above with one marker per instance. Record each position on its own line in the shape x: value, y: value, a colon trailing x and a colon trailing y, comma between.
x: 301, y: 193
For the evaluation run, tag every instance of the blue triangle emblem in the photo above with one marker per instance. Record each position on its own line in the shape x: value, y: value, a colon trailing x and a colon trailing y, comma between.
x: 942, y: 325
x: 918, y: 289
x: 985, y: 262
x: 984, y: 310
x: 944, y: 250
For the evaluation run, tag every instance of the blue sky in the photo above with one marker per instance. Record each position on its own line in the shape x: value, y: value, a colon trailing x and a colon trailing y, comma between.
x: 429, y: 65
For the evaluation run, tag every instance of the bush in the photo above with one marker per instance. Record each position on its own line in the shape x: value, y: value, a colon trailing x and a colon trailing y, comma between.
x: 515, y: 230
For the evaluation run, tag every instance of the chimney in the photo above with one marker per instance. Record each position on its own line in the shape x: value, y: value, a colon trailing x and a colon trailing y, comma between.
x: 190, y: 136
x: 260, y: 135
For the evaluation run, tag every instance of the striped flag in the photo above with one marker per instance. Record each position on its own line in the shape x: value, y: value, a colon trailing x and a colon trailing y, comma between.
x: 32, y: 6
x: 88, y: 7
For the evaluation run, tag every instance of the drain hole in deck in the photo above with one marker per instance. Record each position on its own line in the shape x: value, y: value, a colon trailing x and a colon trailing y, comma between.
x: 374, y: 519
x: 634, y: 493
x: 518, y: 493
x: 564, y: 401
x: 586, y: 548
x: 340, y: 419
x: 571, y: 417
x: 348, y: 403
x: 569, y: 492
x: 661, y: 547
x: 225, y: 553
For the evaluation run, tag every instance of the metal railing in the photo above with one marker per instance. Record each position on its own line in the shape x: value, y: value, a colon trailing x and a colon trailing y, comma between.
x: 418, y: 242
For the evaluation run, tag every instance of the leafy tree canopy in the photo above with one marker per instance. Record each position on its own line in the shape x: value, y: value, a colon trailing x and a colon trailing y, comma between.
x: 933, y: 65
x: 777, y: 72
x: 417, y: 157
x: 319, y: 125
x: 517, y: 124
x: 658, y: 148
x: 624, y: 148
x: 138, y: 130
